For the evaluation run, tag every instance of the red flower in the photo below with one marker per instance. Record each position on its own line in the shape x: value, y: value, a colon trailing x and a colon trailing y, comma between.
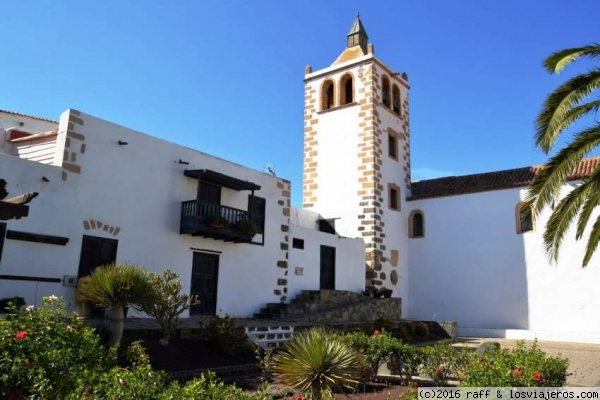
x: 518, y: 372
x: 300, y: 397
x: 537, y: 376
x: 480, y: 360
x: 376, y: 333
x: 438, y: 369
x: 21, y: 335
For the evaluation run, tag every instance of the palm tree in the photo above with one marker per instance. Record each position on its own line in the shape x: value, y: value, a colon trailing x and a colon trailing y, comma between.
x: 563, y: 107
x: 316, y: 361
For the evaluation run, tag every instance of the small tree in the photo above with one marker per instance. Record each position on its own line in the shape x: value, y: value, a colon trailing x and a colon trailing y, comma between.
x: 165, y: 302
x: 115, y: 287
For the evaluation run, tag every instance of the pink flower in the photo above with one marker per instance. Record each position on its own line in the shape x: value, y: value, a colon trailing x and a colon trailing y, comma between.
x: 537, y: 376
x: 29, y: 308
x: 85, y: 394
x: 518, y: 372
x: 21, y: 335
x: 376, y: 333
x: 52, y: 298
x: 122, y: 382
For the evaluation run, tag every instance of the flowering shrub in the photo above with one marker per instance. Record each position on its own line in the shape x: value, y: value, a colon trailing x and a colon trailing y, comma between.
x: 43, y: 350
x: 377, y: 349
x: 406, y: 360
x: 522, y: 366
x: 442, y: 361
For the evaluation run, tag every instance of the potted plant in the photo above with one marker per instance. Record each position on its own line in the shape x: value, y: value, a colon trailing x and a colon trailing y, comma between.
x: 245, y: 227
x: 217, y: 221
x: 385, y: 292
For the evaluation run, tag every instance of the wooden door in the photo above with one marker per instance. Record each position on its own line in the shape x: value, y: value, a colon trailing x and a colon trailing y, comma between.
x: 205, y: 274
x: 327, y: 267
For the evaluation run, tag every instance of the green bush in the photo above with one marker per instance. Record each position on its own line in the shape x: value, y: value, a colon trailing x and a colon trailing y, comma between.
x: 377, y: 349
x: 139, y: 381
x: 406, y: 360
x: 442, y: 361
x: 522, y: 366
x: 45, y: 350
x: 207, y: 386
x: 226, y: 337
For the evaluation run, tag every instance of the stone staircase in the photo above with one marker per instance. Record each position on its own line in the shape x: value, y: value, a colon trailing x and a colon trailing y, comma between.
x: 332, y: 307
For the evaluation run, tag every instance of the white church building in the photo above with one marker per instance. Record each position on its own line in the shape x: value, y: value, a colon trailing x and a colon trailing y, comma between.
x: 454, y: 249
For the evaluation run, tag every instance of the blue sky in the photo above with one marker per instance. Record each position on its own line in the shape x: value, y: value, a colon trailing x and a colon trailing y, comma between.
x: 225, y: 77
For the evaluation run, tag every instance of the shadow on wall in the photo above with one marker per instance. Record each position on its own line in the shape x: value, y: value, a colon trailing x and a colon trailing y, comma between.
x: 470, y: 267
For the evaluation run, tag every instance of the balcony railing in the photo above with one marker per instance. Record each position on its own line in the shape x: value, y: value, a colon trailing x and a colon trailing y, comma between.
x: 213, y: 221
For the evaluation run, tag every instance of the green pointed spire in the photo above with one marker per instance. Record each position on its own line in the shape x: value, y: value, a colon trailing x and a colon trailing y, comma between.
x: 357, y: 35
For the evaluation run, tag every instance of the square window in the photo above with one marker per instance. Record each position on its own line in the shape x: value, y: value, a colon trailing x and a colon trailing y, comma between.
x: 298, y: 243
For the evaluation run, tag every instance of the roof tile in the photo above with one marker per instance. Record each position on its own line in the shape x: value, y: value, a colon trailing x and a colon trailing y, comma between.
x: 497, y: 180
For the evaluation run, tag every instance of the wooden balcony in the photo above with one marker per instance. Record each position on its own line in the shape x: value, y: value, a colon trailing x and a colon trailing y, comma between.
x: 214, y: 221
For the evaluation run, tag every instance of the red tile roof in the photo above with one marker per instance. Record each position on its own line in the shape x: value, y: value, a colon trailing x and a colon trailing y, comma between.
x: 510, y: 178
x: 28, y: 116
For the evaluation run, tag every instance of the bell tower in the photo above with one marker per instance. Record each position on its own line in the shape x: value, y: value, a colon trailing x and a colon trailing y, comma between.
x: 357, y: 155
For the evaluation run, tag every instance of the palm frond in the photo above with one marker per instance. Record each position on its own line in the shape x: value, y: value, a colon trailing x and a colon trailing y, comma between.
x: 556, y: 62
x: 546, y: 185
x: 558, y: 105
x: 593, y: 199
x: 592, y: 243
x: 561, y: 218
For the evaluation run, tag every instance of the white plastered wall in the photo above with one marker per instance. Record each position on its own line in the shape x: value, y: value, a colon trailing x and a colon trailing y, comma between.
x: 474, y: 268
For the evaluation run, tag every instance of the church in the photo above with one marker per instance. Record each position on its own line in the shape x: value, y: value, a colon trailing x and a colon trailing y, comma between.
x: 455, y: 248
x: 452, y: 249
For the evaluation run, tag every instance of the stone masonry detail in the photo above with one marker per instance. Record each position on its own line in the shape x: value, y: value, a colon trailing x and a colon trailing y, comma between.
x: 75, y: 145
x: 284, y: 203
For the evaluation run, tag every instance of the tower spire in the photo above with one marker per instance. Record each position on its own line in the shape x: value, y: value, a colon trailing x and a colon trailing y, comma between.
x: 357, y: 35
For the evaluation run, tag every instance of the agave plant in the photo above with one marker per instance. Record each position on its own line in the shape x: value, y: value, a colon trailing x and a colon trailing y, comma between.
x: 115, y: 287
x: 315, y: 361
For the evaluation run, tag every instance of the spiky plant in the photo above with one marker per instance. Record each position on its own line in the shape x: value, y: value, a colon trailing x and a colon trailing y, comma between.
x: 563, y: 107
x: 315, y: 361
x: 115, y: 287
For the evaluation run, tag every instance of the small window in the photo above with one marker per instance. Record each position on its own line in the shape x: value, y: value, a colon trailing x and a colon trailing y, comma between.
x: 385, y: 91
x: 347, y: 90
x: 396, y: 99
x: 257, y: 206
x: 298, y: 243
x: 327, y: 95
x: 525, y: 221
x: 394, y: 197
x: 393, y: 146
x: 327, y: 226
x: 416, y: 224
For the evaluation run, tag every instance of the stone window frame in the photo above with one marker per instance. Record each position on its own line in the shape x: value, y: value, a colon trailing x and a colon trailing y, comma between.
x: 325, y: 104
x: 393, y: 136
x: 411, y: 224
x: 385, y: 91
x: 519, y: 209
x: 342, y: 89
x: 393, y: 188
